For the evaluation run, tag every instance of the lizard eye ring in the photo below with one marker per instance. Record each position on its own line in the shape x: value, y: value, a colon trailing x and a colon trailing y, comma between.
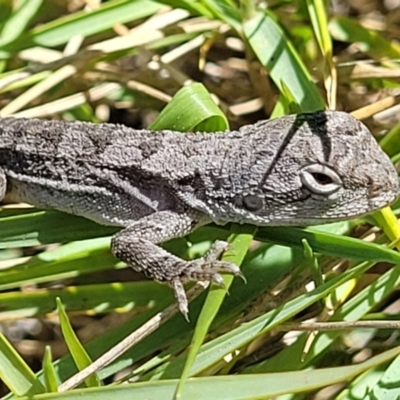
x: 320, y: 179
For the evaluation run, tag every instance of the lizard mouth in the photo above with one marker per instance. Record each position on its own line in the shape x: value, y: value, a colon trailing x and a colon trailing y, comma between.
x: 382, y: 201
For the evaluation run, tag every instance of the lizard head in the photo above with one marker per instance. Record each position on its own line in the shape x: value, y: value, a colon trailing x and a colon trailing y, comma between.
x: 306, y: 169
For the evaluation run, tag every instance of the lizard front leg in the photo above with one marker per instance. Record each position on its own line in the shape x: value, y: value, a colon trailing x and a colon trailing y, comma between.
x: 137, y: 246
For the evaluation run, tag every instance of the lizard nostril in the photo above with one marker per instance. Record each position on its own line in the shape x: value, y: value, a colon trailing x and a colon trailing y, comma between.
x: 375, y: 189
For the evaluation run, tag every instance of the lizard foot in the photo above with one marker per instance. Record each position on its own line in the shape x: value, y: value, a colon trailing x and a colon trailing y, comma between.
x: 132, y: 245
x: 206, y: 268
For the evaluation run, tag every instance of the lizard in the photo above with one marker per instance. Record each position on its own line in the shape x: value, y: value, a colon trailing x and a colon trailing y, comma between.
x: 301, y: 169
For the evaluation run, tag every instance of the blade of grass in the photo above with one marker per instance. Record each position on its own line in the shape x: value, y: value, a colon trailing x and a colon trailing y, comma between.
x: 354, y: 309
x: 213, y: 351
x: 319, y: 22
x: 50, y: 376
x: 237, y: 387
x: 191, y: 109
x: 280, y: 58
x: 17, y: 22
x: 75, y: 347
x: 90, y: 299
x: 348, y: 30
x: 61, y: 30
x: 327, y: 243
x: 388, y: 386
x: 239, y: 244
x: 15, y: 373
x: 388, y: 221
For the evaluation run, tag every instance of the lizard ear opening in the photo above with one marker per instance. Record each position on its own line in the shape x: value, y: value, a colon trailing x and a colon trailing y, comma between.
x: 320, y: 179
x: 253, y: 203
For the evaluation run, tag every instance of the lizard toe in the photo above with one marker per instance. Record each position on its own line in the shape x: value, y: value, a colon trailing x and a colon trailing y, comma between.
x: 216, y: 250
x: 203, y: 270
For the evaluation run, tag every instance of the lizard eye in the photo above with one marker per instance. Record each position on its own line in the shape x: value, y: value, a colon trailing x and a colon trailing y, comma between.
x: 253, y: 202
x: 320, y: 179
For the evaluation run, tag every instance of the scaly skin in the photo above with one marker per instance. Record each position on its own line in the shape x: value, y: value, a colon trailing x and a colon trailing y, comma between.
x: 296, y: 170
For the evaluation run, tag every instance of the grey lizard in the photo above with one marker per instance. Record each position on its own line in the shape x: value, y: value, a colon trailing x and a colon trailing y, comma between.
x: 296, y: 170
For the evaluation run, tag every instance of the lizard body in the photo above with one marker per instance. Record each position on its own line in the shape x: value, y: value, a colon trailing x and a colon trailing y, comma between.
x: 296, y: 170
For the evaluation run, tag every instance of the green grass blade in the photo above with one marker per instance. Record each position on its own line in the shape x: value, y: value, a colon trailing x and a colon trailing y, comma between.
x: 235, y: 387
x: 318, y: 16
x: 195, y: 7
x: 224, y: 10
x: 17, y: 22
x: 354, y: 309
x: 328, y: 243
x: 50, y: 376
x: 191, y: 109
x: 215, y: 350
x: 317, y: 12
x: 70, y: 260
x: 279, y: 57
x: 390, y: 143
x: 44, y: 227
x: 61, y: 30
x: 388, y: 222
x: 239, y: 244
x: 348, y: 30
x: 15, y: 373
x: 388, y: 386
x: 75, y: 347
x: 93, y: 299
x: 311, y: 261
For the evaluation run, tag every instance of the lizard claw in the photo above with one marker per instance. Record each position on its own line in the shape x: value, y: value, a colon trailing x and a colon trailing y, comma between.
x: 180, y: 296
x: 217, y: 279
x: 207, y: 268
